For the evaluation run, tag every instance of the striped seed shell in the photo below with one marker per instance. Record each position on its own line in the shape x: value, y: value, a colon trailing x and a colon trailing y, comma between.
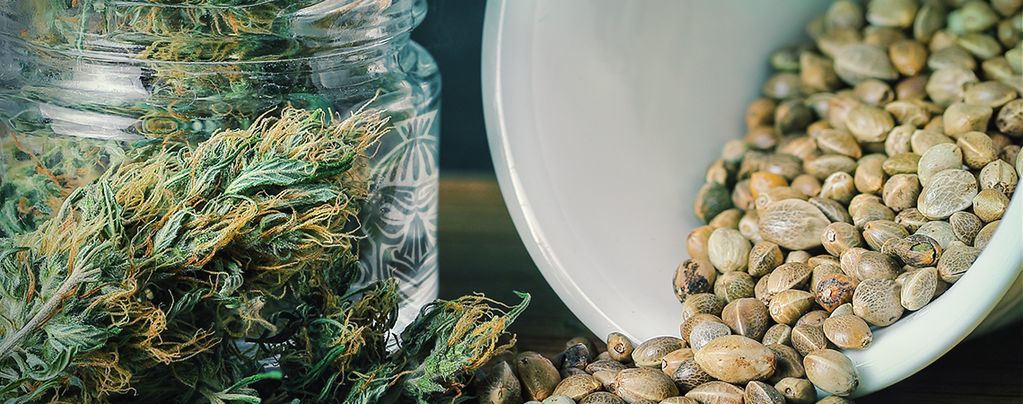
x: 918, y: 288
x: 577, y: 386
x: 808, y: 338
x: 791, y: 275
x: 688, y: 375
x: 813, y: 317
x: 707, y: 303
x: 717, y: 392
x: 736, y: 359
x: 956, y: 260
x: 649, y: 353
x: 877, y: 232
x: 831, y: 371
x: 705, y: 332
x: 787, y: 306
x: 603, y: 397
x: 848, y: 332
x: 674, y: 359
x: 687, y: 326
x: 792, y: 223
x: 643, y: 384
x: 762, y: 393
x: 764, y: 257
x: 877, y: 301
x: 734, y: 285
x: 777, y: 334
x: 747, y: 317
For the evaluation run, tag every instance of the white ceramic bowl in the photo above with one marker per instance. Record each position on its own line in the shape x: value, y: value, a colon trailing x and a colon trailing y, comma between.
x: 602, y: 116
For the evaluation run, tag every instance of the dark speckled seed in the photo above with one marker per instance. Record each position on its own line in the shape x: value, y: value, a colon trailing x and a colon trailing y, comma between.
x: 693, y: 276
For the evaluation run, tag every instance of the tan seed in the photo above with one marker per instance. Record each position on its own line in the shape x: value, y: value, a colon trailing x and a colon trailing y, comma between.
x: 965, y: 225
x: 1010, y: 118
x: 687, y: 326
x: 999, y: 176
x: 689, y: 375
x: 863, y: 213
x: 908, y: 57
x: 961, y: 118
x: 848, y: 332
x: 728, y: 250
x: 938, y: 158
x: 762, y: 393
x: 764, y: 257
x: 674, y: 359
x: 747, y: 317
x: 717, y: 392
x: 946, y: 85
x: 705, y: 332
x: 736, y: 359
x: 816, y: 72
x: 902, y: 163
x: 956, y: 260
x: 814, y: 317
x: 701, y: 303
x: 538, y: 375
x: 877, y: 232
x: 649, y: 353
x: 952, y: 56
x: 901, y: 191
x: 918, y: 288
x: 696, y: 242
x: 797, y: 391
x: 877, y: 301
x: 990, y: 205
x: 787, y: 306
x: 941, y: 231
x: 870, y: 177
x: 869, y: 124
x: 912, y: 88
x: 792, y: 223
x: 929, y: 19
x: 605, y: 365
x: 978, y: 149
x: 777, y: 334
x: 947, y: 192
x: 832, y: 210
x: 790, y: 275
x: 985, y: 234
x: 760, y: 112
x: 840, y: 187
x: 808, y: 338
x: 891, y: 13
x: 496, y: 383
x: 922, y: 140
x: 831, y: 371
x: 619, y: 347
x: 734, y: 285
x: 637, y: 384
x: 603, y: 397
x: 858, y: 62
x: 806, y: 184
x: 789, y: 362
x: 874, y: 92
x: 843, y: 310
x: 992, y: 94
x: 911, y: 219
x: 577, y: 386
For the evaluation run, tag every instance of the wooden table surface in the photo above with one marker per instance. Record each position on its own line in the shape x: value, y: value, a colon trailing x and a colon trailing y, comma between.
x: 481, y: 252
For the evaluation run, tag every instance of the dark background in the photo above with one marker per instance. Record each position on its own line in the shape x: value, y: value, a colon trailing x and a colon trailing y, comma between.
x: 453, y: 33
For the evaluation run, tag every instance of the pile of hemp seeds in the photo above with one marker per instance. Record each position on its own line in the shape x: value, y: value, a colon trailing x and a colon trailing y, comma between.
x: 875, y: 168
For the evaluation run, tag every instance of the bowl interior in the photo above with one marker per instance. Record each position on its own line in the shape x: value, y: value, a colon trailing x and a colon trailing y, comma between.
x: 602, y: 116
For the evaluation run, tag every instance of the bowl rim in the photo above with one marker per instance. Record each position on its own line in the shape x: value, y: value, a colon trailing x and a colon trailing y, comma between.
x: 507, y: 35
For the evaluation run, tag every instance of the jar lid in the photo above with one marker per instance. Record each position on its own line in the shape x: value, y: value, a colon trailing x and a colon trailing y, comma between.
x: 208, y: 31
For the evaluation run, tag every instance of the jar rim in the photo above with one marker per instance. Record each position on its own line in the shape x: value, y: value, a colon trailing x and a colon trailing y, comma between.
x: 396, y: 19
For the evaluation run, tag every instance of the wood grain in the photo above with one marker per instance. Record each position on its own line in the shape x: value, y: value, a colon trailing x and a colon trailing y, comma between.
x: 481, y: 252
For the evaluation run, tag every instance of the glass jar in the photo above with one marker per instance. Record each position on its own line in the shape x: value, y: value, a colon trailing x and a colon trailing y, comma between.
x: 83, y: 81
